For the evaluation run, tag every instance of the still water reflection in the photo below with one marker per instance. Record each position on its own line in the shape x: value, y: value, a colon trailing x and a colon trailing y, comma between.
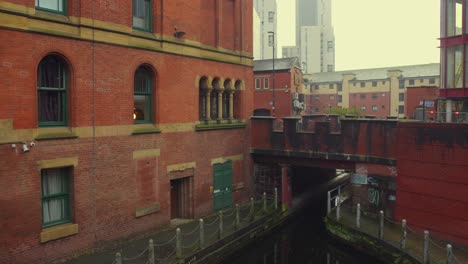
x: 303, y: 240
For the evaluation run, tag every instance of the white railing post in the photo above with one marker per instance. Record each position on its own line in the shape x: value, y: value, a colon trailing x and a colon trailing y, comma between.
x: 202, y: 233
x: 358, y: 216
x: 151, y: 252
x: 178, y: 244
x: 276, y: 199
x: 252, y: 209
x: 118, y: 258
x: 328, y: 202
x: 264, y: 202
x: 221, y: 225
x: 426, y: 247
x: 449, y: 254
x: 403, y: 235
x: 338, y: 210
x: 237, y: 217
x: 381, y: 225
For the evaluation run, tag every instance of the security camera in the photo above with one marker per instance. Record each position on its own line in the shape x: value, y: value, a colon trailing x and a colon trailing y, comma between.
x: 32, y: 144
x: 25, y: 148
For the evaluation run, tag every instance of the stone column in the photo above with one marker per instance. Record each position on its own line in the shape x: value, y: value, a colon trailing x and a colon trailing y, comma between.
x: 220, y: 104
x: 231, y: 104
x: 208, y: 104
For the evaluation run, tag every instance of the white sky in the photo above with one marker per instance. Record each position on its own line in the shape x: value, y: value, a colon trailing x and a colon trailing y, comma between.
x: 374, y: 33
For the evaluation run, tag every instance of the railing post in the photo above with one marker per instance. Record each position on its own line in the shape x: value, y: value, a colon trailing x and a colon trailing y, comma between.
x: 381, y: 225
x: 252, y: 209
x: 426, y: 247
x: 151, y: 252
x: 237, y: 217
x: 178, y: 244
x: 202, y: 233
x: 403, y: 235
x: 118, y: 258
x: 338, y: 210
x: 276, y: 199
x: 358, y: 216
x: 221, y: 225
x: 449, y: 254
x: 328, y: 202
x: 264, y: 202
x: 339, y: 190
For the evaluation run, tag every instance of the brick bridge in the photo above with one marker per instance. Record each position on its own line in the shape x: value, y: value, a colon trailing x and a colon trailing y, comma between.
x: 419, y: 169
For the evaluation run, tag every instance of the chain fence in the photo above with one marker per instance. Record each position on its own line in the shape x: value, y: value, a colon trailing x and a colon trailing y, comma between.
x: 405, y: 236
x: 196, y: 235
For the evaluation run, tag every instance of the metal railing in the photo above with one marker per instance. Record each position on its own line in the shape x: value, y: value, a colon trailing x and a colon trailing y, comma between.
x: 419, y: 245
x: 185, y: 243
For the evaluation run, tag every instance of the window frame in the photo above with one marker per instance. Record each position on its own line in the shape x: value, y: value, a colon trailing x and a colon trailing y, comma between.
x: 258, y: 81
x: 375, y: 108
x: 150, y: 95
x: 150, y: 17
x: 65, y: 195
x: 266, y: 83
x: 64, y: 5
x: 401, y: 97
x: 401, y: 109
x: 64, y: 103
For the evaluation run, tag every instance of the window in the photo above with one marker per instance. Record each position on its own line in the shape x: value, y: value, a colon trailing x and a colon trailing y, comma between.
x: 432, y: 80
x: 52, y: 81
x: 374, y: 84
x: 454, y: 19
x: 316, y: 87
x: 411, y: 82
x: 401, y: 109
x: 329, y: 67
x: 271, y: 17
x: 375, y: 108
x: 142, y: 97
x: 257, y: 83
x: 454, y: 64
x: 331, y: 86
x: 317, y: 97
x: 363, y: 84
x: 270, y: 40
x: 339, y: 87
x: 401, y: 84
x: 363, y: 96
x: 55, y: 6
x: 363, y: 108
x: 203, y: 100
x: 55, y: 185
x: 401, y: 97
x: 332, y: 97
x: 340, y: 98
x: 142, y: 14
x: 266, y: 83
x: 375, y: 96
x: 383, y: 82
x: 317, y: 109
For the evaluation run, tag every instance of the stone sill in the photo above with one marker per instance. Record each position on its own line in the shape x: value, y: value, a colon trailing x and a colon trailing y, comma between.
x: 207, y: 125
x: 150, y: 209
x: 140, y: 129
x: 54, y: 133
x: 57, y: 232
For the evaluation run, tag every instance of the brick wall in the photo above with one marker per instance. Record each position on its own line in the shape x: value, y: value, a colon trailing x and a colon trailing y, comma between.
x: 108, y: 183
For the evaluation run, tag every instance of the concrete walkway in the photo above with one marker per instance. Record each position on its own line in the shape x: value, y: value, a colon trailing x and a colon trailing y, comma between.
x: 135, y: 250
x: 393, y: 232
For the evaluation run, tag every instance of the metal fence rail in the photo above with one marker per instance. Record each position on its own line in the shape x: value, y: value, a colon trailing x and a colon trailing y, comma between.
x: 186, y: 242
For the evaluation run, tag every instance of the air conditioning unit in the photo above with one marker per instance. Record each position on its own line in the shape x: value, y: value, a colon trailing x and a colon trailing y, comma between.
x: 295, y: 96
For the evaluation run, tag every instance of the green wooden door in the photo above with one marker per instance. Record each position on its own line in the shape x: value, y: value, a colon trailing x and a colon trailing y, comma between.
x: 222, y: 185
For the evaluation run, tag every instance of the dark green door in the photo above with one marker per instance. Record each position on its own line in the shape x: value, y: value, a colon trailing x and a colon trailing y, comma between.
x: 222, y: 185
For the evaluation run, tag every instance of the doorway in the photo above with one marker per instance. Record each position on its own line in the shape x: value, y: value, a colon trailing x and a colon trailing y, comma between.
x: 222, y: 185
x: 180, y: 198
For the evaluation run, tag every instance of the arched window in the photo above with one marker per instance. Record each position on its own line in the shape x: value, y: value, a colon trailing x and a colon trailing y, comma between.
x: 52, y: 88
x: 143, y: 95
x: 237, y: 100
x: 226, y: 99
x: 203, y: 90
x: 214, y: 100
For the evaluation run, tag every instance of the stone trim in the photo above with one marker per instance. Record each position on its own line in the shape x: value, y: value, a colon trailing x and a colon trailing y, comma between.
x: 224, y: 159
x: 57, y: 163
x: 181, y: 166
x: 150, y: 209
x: 146, y: 153
x: 57, y: 232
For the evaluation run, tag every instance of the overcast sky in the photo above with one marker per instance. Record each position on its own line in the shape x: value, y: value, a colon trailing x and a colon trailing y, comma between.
x: 375, y: 33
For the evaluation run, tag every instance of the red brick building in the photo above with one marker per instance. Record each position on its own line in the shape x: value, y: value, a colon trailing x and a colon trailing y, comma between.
x: 287, y: 98
x: 419, y: 99
x: 116, y: 117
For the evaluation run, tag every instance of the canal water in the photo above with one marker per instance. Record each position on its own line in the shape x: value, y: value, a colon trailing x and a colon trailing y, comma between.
x: 302, y: 240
